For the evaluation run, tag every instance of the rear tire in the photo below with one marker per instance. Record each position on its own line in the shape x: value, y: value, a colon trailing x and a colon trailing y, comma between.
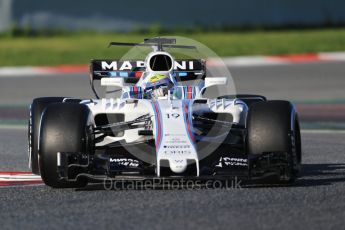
x: 64, y: 128
x: 273, y: 127
x: 36, y: 109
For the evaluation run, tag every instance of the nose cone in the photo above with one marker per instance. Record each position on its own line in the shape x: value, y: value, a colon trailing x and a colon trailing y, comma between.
x: 178, y: 165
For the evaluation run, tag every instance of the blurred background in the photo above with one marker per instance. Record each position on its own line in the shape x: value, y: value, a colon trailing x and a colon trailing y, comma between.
x: 66, y: 35
x: 284, y: 49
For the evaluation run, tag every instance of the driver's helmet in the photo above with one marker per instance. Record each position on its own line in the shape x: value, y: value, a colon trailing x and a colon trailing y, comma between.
x: 157, y: 85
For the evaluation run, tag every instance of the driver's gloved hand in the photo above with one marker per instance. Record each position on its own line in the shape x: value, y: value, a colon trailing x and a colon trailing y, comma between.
x: 160, y: 92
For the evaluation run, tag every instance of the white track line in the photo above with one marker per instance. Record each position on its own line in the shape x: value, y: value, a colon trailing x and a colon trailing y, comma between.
x: 13, y: 127
x: 27, y: 177
x: 307, y: 131
x: 322, y: 131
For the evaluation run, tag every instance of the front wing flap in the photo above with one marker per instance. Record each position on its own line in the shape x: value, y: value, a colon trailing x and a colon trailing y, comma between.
x: 98, y: 166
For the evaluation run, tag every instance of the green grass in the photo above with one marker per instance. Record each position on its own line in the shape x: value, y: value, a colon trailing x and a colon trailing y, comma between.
x: 80, y: 48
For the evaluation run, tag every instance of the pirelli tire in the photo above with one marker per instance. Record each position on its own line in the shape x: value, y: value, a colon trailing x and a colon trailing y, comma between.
x: 64, y: 128
x: 36, y: 109
x: 273, y: 126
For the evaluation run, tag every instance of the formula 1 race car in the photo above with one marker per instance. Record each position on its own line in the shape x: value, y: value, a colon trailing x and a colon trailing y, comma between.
x: 162, y: 127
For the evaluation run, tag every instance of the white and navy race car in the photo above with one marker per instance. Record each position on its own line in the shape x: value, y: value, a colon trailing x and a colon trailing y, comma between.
x: 160, y: 127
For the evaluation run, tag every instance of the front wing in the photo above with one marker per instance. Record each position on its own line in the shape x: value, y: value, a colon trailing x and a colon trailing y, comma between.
x: 117, y: 163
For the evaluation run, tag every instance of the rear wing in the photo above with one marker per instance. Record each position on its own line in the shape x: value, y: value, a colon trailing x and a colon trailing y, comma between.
x: 132, y: 70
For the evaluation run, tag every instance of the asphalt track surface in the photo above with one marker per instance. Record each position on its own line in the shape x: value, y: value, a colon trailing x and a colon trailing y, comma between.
x: 316, y: 201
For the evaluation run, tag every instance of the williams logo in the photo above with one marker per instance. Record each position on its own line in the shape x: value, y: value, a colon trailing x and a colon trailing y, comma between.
x: 127, y: 162
x: 232, y: 161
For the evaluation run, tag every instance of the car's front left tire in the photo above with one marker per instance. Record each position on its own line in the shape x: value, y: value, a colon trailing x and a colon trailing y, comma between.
x: 64, y: 128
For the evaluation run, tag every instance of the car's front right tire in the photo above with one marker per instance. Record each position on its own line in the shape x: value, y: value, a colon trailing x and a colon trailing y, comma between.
x: 273, y: 127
